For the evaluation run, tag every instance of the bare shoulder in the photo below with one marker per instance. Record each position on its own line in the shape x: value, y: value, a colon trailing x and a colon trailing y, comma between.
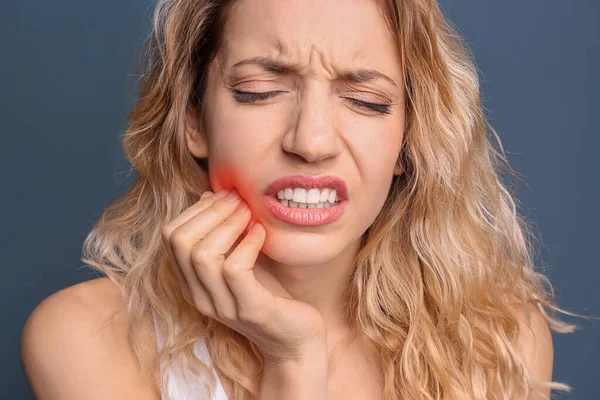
x: 74, y: 346
x: 535, y: 343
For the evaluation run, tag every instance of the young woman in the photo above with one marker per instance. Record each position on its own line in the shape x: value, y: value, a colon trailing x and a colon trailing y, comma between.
x: 318, y: 214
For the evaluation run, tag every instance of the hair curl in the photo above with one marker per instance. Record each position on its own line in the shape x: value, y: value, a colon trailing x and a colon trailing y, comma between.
x: 441, y: 268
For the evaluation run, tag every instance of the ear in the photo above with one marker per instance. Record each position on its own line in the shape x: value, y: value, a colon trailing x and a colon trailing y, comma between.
x: 397, y: 169
x: 195, y: 137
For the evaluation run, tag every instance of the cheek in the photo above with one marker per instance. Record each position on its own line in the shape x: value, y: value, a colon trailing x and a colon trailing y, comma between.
x: 239, y: 136
x: 229, y: 177
x: 246, y: 120
x: 375, y: 150
x: 370, y: 134
x: 375, y: 154
x: 241, y: 129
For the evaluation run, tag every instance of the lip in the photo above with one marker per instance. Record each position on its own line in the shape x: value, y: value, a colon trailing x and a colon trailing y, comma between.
x: 309, y: 182
x: 307, y: 216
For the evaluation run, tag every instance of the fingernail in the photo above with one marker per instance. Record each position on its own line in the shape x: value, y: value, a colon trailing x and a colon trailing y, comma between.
x: 256, y: 228
x: 206, y: 194
x: 221, y: 193
x: 232, y: 196
x: 242, y: 207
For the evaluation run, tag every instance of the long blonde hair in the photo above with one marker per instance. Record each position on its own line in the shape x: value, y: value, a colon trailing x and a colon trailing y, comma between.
x: 440, y: 270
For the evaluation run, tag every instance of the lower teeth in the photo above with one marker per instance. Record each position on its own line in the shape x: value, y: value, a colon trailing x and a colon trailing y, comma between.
x: 291, y: 204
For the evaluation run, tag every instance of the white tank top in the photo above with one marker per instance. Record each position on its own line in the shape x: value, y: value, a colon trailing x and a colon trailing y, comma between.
x: 177, y: 387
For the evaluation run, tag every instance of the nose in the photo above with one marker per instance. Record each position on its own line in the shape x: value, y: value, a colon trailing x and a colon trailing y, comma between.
x: 314, y: 136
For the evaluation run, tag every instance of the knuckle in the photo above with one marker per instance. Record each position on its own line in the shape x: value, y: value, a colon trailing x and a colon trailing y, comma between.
x: 220, y: 206
x: 204, y: 310
x: 179, y: 238
x: 244, y: 317
x: 165, y: 232
x: 202, y: 305
x: 232, y: 268
x: 232, y: 221
x: 225, y: 315
x: 201, y: 255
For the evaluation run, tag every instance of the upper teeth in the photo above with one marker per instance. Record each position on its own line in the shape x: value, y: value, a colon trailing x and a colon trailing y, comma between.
x: 311, y: 196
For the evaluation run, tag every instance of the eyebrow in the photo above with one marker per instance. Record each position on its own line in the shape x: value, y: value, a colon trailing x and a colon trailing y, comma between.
x: 357, y: 76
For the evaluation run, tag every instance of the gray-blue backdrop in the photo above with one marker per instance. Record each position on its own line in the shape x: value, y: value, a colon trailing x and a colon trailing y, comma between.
x: 64, y: 65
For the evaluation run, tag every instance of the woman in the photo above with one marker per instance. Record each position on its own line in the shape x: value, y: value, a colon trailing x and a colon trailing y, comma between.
x: 318, y: 214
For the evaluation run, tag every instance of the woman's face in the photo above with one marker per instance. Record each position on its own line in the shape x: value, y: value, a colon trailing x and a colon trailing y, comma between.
x: 315, y: 121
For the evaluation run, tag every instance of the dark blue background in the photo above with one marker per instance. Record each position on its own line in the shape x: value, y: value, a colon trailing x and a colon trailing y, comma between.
x: 64, y: 66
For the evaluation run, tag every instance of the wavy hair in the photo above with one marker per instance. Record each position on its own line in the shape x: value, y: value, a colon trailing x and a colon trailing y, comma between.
x: 440, y: 270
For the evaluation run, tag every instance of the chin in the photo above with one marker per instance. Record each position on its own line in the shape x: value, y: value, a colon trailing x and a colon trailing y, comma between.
x: 301, y: 250
x: 306, y: 248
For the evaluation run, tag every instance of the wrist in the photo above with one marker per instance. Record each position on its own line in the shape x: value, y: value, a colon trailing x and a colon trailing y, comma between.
x: 302, y: 377
x: 309, y: 352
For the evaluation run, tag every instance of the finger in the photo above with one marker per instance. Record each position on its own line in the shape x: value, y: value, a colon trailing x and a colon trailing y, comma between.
x: 248, y: 293
x: 185, y: 288
x: 223, y: 237
x: 206, y: 200
x: 185, y: 238
x: 203, y: 223
x: 208, y: 256
x: 192, y: 288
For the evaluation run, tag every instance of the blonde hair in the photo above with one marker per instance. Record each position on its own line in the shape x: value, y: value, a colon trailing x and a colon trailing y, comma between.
x: 440, y: 270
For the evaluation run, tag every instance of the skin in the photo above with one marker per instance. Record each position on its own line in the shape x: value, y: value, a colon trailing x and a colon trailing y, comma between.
x: 74, y: 345
x: 310, y: 128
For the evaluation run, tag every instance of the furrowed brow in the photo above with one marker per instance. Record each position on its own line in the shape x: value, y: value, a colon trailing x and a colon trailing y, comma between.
x: 364, y: 75
x: 271, y: 65
x: 268, y: 64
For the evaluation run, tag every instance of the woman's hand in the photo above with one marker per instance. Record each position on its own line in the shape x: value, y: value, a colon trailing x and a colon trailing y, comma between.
x: 221, y: 278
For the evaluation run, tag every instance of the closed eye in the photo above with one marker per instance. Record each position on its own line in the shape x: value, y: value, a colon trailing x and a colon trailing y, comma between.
x: 380, y: 108
x: 251, y: 97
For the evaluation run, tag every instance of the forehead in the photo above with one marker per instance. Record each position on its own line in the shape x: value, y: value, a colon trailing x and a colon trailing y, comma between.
x: 332, y: 34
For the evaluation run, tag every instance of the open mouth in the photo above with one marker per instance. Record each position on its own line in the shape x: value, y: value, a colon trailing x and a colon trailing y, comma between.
x: 304, y: 200
x: 305, y: 216
x: 312, y: 198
